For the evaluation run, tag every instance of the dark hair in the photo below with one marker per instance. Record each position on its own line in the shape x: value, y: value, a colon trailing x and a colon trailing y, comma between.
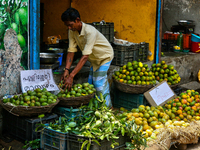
x: 70, y: 14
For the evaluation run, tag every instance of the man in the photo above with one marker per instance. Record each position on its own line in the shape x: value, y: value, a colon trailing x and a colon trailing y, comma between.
x: 95, y: 48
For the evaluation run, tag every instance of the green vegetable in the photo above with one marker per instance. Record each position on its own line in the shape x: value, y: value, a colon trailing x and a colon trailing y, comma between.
x: 72, y: 124
x: 16, y: 17
x: 23, y: 15
x: 14, y: 27
x: 21, y: 40
x: 97, y: 114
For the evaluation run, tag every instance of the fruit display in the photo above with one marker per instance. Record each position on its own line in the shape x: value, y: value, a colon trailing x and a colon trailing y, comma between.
x: 135, y: 73
x: 30, y: 98
x: 77, y: 90
x: 162, y: 71
x: 176, y: 113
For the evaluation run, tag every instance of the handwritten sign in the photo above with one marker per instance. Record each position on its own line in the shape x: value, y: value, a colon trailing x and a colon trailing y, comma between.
x: 159, y: 94
x: 32, y: 79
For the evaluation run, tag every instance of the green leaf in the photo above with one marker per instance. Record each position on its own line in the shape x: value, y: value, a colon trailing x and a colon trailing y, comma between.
x: 41, y: 116
x: 84, y: 143
x: 102, y: 137
x: 88, y: 146
x: 96, y: 142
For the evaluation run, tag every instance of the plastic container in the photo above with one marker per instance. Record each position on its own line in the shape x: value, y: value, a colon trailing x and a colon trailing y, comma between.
x: 195, y: 38
x: 180, y: 41
x: 67, y: 112
x: 53, y: 140
x: 143, y: 52
x: 106, y: 29
x: 75, y: 142
x: 195, y: 47
x: 127, y: 100
x: 167, y: 45
x: 23, y: 128
x: 60, y: 58
x: 124, y: 54
x: 186, y: 41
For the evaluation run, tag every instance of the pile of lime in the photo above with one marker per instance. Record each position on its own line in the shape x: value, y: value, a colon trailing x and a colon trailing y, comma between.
x: 38, y: 97
x: 77, y: 90
x: 162, y: 71
x: 135, y: 73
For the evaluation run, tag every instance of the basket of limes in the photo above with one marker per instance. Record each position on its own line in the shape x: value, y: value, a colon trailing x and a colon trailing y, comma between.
x: 134, y: 77
x: 30, y: 103
x: 80, y: 94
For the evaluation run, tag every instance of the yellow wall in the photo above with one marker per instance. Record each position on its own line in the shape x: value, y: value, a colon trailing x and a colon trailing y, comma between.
x: 53, y: 10
x: 134, y: 20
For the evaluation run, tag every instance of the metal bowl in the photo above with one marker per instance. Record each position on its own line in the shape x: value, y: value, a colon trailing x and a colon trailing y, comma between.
x: 49, y: 58
x: 185, y: 22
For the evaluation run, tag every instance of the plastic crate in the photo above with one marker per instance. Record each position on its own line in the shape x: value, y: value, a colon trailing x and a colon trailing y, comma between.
x: 75, y: 142
x: 143, y: 52
x: 128, y: 100
x: 124, y: 54
x: 53, y: 140
x: 106, y: 29
x: 68, y: 112
x: 167, y: 45
x: 23, y: 128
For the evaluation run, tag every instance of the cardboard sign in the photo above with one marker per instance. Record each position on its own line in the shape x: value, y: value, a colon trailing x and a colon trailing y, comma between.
x: 160, y: 94
x: 32, y: 79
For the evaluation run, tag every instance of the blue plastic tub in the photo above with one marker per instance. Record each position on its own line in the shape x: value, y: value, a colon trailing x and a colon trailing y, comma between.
x: 195, y: 38
x: 60, y: 58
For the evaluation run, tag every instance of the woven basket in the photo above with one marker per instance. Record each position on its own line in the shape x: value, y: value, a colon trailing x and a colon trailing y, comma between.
x: 75, y: 101
x: 28, y: 111
x: 130, y: 88
x: 174, y: 86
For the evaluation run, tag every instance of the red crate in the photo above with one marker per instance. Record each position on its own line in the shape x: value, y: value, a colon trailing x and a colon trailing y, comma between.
x: 186, y: 39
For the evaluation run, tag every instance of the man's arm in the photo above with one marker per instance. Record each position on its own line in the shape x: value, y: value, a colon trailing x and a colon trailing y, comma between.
x: 69, y: 60
x: 69, y: 80
x: 80, y: 64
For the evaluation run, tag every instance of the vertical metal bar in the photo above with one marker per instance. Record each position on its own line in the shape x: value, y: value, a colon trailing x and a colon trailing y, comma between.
x: 159, y: 31
x: 34, y: 34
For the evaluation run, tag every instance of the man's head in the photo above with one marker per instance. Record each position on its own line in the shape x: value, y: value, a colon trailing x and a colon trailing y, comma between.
x: 71, y: 19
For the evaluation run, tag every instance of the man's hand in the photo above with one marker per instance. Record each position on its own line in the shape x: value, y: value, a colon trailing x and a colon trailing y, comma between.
x: 65, y: 74
x: 68, y: 81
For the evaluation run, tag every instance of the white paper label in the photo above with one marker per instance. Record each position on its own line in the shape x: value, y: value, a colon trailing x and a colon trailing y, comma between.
x: 32, y: 79
x: 161, y: 93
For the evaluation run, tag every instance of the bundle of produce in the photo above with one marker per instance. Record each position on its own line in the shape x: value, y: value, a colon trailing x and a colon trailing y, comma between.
x: 134, y: 77
x: 184, y: 107
x: 95, y: 123
x: 162, y: 71
x: 152, y: 119
x: 30, y: 103
x: 80, y: 94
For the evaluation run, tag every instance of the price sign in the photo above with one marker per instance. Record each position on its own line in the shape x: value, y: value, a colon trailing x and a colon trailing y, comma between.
x: 160, y: 94
x: 32, y: 79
